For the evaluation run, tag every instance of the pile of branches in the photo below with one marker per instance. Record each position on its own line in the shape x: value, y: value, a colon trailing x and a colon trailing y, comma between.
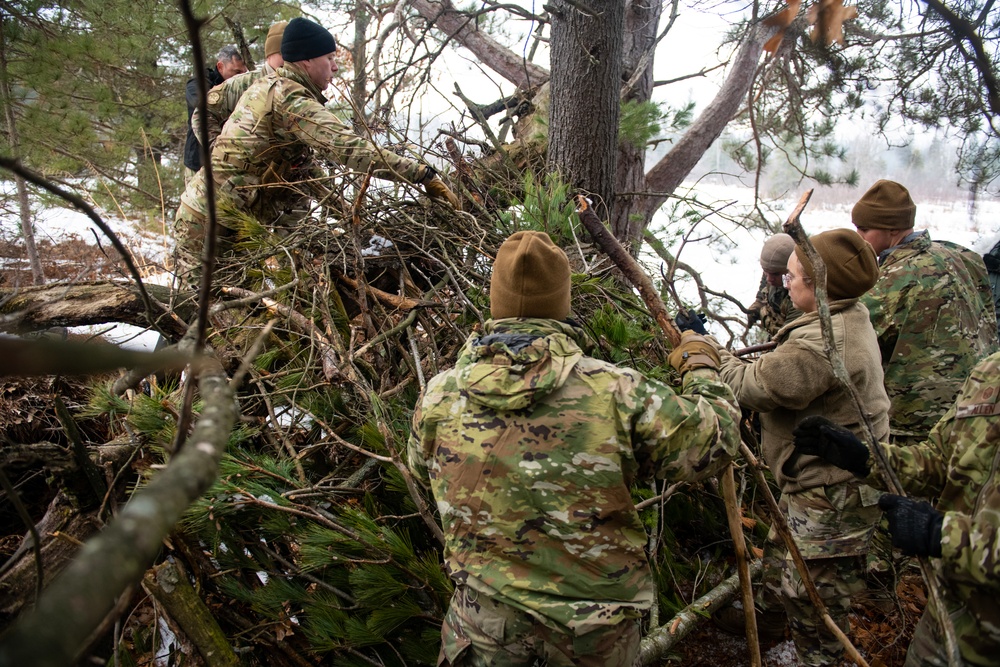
x: 314, y: 544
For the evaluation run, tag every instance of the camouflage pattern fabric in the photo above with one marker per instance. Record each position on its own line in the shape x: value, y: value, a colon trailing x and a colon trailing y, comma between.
x: 481, y: 632
x: 222, y: 101
x: 831, y: 526
x: 264, y: 160
x: 837, y: 580
x: 530, y: 446
x: 992, y: 261
x: 772, y: 309
x: 932, y: 309
x: 957, y: 464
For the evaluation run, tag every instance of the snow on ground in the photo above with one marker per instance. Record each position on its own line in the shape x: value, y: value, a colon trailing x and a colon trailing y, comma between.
x: 729, y: 262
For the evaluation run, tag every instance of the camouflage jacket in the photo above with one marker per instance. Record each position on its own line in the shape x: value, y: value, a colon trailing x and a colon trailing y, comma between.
x: 796, y: 380
x: 222, y: 100
x: 773, y: 308
x: 530, y: 446
x: 957, y: 464
x: 932, y: 309
x: 264, y: 157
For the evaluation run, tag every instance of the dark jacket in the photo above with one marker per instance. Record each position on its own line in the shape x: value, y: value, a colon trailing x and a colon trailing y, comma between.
x: 192, y: 149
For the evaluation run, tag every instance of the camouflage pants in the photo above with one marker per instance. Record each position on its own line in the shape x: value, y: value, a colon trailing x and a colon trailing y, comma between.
x: 768, y: 597
x: 832, y: 526
x: 479, y: 631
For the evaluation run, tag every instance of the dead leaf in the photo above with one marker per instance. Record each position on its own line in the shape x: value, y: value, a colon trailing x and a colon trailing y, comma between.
x: 827, y: 18
x: 782, y: 20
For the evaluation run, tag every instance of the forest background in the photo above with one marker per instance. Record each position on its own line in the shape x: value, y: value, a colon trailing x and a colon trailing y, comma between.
x: 312, y: 543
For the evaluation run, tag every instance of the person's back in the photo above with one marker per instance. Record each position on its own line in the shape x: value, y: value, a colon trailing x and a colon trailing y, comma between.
x: 934, y: 324
x: 530, y: 447
x: 931, y: 308
x: 228, y: 64
x: 224, y: 97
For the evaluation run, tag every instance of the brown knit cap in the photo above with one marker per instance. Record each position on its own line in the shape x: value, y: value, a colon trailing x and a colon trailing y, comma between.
x: 530, y: 278
x: 272, y: 44
x: 851, y: 267
x: 886, y: 205
x: 775, y: 253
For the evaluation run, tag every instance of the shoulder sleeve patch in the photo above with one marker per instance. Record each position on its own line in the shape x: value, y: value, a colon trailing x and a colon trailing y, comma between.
x: 214, y: 96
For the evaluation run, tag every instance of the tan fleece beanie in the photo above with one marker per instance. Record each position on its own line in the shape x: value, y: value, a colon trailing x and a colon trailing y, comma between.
x: 851, y: 266
x: 272, y: 44
x: 886, y: 205
x: 530, y: 278
x: 775, y: 253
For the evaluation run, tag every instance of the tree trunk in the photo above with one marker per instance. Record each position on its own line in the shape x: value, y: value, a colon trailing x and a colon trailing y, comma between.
x: 42, y: 307
x: 358, y: 91
x: 641, y: 24
x: 24, y: 205
x: 586, y: 83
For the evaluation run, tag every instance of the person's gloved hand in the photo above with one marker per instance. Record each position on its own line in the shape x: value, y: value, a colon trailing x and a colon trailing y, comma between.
x: 694, y: 351
x: 915, y: 526
x: 691, y: 321
x: 437, y: 189
x: 820, y: 437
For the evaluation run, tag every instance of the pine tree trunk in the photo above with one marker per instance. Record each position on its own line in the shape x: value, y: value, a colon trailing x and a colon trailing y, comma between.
x: 641, y: 24
x: 586, y: 83
x: 24, y: 205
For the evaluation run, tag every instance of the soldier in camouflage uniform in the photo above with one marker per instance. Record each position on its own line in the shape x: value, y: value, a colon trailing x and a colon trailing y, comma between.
x: 263, y: 161
x: 529, y: 447
x: 932, y: 309
x: 222, y: 99
x: 773, y: 307
x: 830, y: 514
x: 957, y: 464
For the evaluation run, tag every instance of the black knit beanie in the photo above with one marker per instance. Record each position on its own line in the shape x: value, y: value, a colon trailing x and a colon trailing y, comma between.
x: 305, y: 40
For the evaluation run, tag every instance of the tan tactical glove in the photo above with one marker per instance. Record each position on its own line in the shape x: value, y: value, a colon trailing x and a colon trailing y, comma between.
x: 694, y: 351
x: 436, y: 189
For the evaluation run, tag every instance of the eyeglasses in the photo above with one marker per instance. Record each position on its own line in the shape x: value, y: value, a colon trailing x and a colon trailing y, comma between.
x: 786, y: 280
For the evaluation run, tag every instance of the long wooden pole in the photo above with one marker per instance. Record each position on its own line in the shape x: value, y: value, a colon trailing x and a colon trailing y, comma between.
x: 635, y: 275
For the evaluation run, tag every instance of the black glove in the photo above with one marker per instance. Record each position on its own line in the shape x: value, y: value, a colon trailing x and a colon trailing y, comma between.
x: 915, y: 526
x: 835, y: 444
x: 691, y: 321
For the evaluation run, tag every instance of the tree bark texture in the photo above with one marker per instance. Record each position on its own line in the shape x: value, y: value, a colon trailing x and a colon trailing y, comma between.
x: 77, y: 602
x: 41, y: 307
x: 586, y: 82
x: 642, y: 19
x: 167, y: 582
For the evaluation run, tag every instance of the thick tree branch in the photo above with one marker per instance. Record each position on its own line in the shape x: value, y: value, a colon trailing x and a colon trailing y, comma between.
x: 671, y: 171
x: 462, y: 28
x: 57, y: 629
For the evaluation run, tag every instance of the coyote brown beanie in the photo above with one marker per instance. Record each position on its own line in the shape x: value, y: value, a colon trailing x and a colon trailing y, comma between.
x: 272, y: 44
x: 305, y: 40
x: 775, y: 253
x: 851, y: 267
x: 886, y: 205
x: 530, y: 278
